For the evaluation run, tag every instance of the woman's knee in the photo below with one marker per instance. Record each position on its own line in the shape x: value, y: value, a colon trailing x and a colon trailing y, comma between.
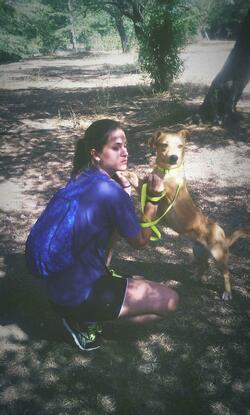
x: 168, y: 300
x: 173, y: 301
x: 147, y: 297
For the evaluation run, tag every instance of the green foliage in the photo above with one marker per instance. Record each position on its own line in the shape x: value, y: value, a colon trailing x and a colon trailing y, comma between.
x: 220, y: 19
x: 132, y: 41
x: 166, y: 29
x: 27, y: 28
x: 162, y: 28
x: 97, y: 32
x: 224, y: 18
x: 11, y: 45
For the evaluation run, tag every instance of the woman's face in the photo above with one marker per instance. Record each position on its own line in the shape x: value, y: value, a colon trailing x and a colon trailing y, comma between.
x: 114, y: 155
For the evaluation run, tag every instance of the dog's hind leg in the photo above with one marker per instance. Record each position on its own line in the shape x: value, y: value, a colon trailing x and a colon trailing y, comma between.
x: 227, y: 295
x: 201, y: 257
x: 216, y: 242
x: 220, y: 252
x: 222, y: 265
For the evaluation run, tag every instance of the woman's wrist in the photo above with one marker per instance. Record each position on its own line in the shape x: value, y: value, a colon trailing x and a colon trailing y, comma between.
x: 123, y: 182
x: 127, y: 188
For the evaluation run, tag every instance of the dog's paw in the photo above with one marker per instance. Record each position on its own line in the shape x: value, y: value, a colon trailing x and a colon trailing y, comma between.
x: 226, y: 296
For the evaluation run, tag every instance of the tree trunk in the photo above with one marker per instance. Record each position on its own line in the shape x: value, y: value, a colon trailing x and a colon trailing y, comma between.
x: 122, y: 33
x: 132, y: 9
x: 117, y: 16
x: 72, y: 27
x: 227, y: 87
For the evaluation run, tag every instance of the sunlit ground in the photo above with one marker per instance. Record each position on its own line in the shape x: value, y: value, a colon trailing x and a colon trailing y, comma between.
x: 195, y: 362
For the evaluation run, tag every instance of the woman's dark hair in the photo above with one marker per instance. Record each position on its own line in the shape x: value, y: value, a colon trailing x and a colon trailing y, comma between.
x: 95, y: 137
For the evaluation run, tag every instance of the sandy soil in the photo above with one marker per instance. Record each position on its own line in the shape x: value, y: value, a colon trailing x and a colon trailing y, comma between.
x: 46, y: 103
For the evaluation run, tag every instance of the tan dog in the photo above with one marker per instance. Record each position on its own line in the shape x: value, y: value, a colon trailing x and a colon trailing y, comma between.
x: 184, y: 217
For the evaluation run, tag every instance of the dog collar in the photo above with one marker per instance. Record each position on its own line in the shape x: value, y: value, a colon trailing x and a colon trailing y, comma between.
x: 167, y: 170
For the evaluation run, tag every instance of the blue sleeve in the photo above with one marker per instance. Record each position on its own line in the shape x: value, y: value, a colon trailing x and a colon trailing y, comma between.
x: 122, y: 213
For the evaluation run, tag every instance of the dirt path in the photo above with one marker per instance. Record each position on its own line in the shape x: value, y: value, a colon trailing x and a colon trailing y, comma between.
x: 45, y: 106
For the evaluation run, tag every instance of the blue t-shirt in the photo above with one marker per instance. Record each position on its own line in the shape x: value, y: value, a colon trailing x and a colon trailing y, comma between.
x: 104, y: 208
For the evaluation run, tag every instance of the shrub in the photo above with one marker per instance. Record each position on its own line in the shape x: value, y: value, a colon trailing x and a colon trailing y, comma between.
x: 166, y: 29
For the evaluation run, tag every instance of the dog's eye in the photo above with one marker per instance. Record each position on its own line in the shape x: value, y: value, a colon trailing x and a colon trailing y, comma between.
x: 180, y: 146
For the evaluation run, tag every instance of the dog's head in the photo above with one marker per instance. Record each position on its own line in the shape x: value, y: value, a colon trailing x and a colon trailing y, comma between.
x: 169, y: 146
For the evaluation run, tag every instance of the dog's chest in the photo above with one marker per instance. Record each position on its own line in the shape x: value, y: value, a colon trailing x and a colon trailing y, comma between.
x: 172, y: 183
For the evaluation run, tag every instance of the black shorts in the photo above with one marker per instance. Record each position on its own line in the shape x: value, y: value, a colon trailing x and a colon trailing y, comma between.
x: 103, y: 304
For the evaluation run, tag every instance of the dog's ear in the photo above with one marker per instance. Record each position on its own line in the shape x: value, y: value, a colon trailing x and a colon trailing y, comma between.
x: 184, y: 133
x: 153, y: 140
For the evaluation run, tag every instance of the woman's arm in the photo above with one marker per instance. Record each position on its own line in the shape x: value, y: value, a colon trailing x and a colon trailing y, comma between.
x: 109, y: 250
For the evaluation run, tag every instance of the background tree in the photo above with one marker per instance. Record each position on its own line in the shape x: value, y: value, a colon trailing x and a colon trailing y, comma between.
x: 224, y: 18
x: 72, y: 26
x: 7, y: 32
x: 219, y: 19
x: 115, y: 13
x: 119, y: 12
x: 135, y: 10
x: 29, y: 27
x: 92, y: 23
x: 24, y: 25
x: 227, y: 87
x: 162, y: 28
x: 71, y: 21
x: 166, y: 29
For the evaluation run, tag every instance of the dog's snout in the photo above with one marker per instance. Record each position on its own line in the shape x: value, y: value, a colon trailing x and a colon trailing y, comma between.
x: 173, y: 159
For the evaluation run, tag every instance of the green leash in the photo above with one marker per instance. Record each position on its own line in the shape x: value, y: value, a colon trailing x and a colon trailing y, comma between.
x: 153, y: 223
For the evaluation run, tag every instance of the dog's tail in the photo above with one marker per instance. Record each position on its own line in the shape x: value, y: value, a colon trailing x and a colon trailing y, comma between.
x: 239, y: 233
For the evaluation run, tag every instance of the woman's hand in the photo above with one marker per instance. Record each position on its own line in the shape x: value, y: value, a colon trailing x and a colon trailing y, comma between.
x: 123, y: 181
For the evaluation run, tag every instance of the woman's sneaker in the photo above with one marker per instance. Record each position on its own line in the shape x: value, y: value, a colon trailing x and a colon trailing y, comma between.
x: 87, y: 338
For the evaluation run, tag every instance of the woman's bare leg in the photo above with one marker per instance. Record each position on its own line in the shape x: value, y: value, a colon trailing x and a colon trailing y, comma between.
x: 147, y: 301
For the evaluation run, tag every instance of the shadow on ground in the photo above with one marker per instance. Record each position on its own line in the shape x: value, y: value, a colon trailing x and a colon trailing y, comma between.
x: 195, y: 362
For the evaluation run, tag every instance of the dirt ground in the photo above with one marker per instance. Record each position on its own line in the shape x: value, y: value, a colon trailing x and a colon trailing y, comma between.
x: 195, y: 362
